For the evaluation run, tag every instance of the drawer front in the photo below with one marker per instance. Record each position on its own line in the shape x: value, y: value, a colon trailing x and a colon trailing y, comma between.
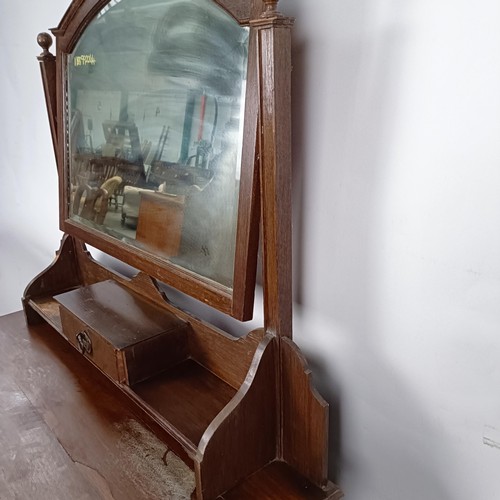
x: 93, y: 346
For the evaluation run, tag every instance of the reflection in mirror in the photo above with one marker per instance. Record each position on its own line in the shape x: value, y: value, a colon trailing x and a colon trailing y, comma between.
x: 156, y: 92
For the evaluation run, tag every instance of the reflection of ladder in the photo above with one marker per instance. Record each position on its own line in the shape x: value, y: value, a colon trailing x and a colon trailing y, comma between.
x: 161, y: 144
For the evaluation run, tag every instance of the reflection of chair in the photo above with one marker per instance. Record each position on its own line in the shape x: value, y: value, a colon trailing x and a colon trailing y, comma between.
x: 80, y: 167
x: 131, y: 173
x: 85, y: 200
x: 91, y: 203
x: 94, y: 171
x: 103, y: 168
x: 111, y: 187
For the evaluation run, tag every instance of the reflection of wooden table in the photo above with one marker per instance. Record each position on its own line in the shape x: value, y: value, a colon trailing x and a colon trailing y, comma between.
x: 160, y: 222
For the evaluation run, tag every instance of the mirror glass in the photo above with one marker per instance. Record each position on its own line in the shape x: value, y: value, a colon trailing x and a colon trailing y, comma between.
x: 155, y: 97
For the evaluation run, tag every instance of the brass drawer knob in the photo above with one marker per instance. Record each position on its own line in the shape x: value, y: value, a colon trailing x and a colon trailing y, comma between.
x: 84, y: 342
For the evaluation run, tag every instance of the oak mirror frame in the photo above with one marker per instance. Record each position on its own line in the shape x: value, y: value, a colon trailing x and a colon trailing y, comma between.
x: 157, y: 103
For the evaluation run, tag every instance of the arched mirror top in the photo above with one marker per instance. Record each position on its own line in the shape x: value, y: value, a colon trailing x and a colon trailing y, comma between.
x: 81, y: 12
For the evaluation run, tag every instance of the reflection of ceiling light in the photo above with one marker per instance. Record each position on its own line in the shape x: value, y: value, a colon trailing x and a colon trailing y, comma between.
x: 190, y: 43
x: 111, y: 4
x: 202, y: 44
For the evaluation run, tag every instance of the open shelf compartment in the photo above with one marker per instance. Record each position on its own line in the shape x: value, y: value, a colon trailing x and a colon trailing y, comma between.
x: 187, y: 396
x: 214, y: 396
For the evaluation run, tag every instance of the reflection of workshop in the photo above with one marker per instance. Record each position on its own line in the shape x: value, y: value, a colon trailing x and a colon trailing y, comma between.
x: 113, y: 181
x: 156, y: 132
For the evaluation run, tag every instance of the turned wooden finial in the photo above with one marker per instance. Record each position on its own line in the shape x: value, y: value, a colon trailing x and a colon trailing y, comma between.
x: 271, y: 8
x: 45, y: 41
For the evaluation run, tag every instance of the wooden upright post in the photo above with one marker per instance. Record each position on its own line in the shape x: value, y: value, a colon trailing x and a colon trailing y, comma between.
x: 48, y: 70
x: 275, y: 161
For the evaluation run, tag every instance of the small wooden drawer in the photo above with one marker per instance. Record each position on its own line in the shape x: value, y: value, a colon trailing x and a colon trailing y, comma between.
x: 94, y: 346
x: 124, y: 335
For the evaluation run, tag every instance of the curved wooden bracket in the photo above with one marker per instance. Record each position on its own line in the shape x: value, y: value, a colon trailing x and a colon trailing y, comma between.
x: 245, y: 430
x: 61, y: 275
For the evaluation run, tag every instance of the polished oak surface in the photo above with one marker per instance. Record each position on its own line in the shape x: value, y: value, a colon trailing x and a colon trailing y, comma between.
x: 68, y: 433
x: 188, y: 396
x: 123, y: 317
x: 279, y: 481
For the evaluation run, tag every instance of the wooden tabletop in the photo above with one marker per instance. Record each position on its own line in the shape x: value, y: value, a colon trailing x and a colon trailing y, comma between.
x: 66, y: 432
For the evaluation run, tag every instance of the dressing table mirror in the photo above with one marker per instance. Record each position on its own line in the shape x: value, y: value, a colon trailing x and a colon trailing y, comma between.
x: 155, y: 94
x: 170, y: 121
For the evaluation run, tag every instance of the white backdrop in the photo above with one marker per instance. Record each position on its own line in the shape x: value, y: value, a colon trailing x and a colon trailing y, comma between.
x: 397, y: 228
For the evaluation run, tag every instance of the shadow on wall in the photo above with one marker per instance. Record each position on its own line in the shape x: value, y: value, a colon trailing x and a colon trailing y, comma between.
x: 346, y: 72
x: 344, y: 91
x: 381, y: 446
x: 331, y: 392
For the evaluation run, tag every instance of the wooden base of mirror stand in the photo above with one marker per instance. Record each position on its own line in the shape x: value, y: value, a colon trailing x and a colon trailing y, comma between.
x: 241, y: 412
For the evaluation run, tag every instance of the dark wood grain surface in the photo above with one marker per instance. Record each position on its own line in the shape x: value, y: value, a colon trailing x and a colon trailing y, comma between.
x: 67, y: 432
x: 121, y: 316
x: 279, y: 481
x: 188, y: 396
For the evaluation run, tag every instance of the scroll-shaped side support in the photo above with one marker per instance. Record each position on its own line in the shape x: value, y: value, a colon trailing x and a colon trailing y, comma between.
x: 48, y: 69
x: 305, y: 420
x: 74, y: 267
x: 242, y: 438
x: 63, y: 274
